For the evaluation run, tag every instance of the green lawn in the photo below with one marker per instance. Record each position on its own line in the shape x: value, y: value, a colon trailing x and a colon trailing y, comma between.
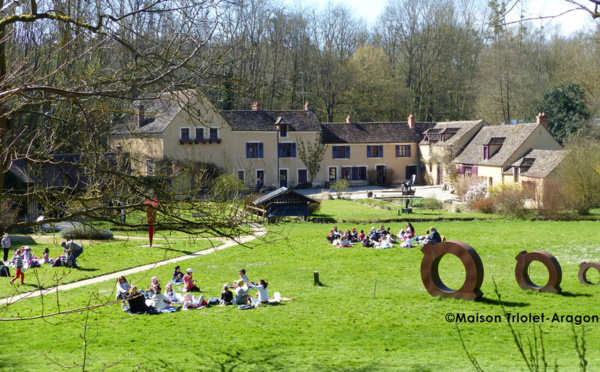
x: 343, y: 325
x: 102, y: 257
x: 373, y: 210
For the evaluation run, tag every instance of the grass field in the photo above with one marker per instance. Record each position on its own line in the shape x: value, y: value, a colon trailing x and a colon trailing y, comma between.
x: 101, y: 257
x: 344, y: 325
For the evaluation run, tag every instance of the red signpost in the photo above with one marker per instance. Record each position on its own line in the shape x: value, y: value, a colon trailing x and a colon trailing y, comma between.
x: 151, y: 211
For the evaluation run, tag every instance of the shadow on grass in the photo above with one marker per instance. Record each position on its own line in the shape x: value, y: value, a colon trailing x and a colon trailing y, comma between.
x: 571, y: 294
x: 490, y: 301
x: 86, y: 269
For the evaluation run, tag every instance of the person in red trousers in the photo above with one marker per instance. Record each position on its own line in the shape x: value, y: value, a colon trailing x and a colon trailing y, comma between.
x: 18, y: 265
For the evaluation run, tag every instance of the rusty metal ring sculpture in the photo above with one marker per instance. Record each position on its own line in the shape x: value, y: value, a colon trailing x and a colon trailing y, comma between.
x: 524, y: 259
x: 583, y: 268
x: 433, y: 253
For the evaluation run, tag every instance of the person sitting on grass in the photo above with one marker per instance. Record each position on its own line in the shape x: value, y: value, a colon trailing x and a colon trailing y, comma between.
x: 122, y: 288
x: 263, y: 293
x: 410, y: 230
x: 46, y: 255
x: 367, y: 243
x: 136, y: 301
x: 226, y: 295
x: 177, y: 276
x: 385, y: 243
x: 354, y: 235
x: 374, y: 236
x: 171, y: 294
x: 192, y: 302
x: 241, y: 293
x: 155, y: 284
x: 361, y: 236
x: 159, y: 300
x: 435, y: 235
x: 345, y: 242
x: 423, y: 239
x: 188, y: 282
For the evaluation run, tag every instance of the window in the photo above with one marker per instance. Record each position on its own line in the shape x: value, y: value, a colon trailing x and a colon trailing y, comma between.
x: 374, y: 151
x: 149, y: 166
x: 486, y: 152
x: 340, y: 152
x: 287, y: 150
x: 283, y: 131
x: 403, y: 151
x: 214, y: 133
x: 240, y: 174
x: 347, y: 172
x: 199, y: 133
x: 185, y: 133
x: 254, y: 150
x: 354, y: 173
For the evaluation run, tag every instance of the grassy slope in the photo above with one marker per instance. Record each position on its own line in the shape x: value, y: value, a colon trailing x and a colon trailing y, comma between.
x: 339, y: 326
x: 101, y: 258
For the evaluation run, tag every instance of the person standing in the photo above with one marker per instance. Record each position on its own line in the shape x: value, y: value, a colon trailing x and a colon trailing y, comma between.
x: 74, y: 250
x: 19, y: 266
x: 5, y: 243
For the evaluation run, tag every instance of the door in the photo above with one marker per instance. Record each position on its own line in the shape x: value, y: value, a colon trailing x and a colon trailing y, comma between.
x: 302, y: 176
x: 440, y: 174
x: 381, y: 178
x: 332, y: 174
x: 260, y: 179
x: 283, y: 178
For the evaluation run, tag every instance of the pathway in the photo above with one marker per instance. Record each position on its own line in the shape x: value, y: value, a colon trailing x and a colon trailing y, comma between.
x: 258, y: 231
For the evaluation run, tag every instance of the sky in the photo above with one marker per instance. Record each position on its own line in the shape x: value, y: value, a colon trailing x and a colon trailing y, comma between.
x: 568, y: 23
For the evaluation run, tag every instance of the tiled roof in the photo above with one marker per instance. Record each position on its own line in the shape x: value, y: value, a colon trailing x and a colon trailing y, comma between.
x: 373, y: 132
x: 540, y: 163
x: 282, y: 191
x: 454, y: 131
x: 263, y: 120
x: 496, y: 141
x: 158, y: 113
x: 514, y: 136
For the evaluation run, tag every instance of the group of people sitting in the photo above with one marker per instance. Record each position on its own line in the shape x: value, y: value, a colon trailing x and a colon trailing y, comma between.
x: 382, y: 238
x: 154, y: 300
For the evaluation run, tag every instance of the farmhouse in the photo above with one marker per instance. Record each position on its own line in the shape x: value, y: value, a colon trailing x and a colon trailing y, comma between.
x: 260, y: 146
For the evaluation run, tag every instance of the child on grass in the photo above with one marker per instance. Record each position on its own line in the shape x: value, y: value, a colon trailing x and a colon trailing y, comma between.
x: 18, y: 262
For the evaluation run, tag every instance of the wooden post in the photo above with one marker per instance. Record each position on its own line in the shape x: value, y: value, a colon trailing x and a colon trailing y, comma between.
x: 317, y: 282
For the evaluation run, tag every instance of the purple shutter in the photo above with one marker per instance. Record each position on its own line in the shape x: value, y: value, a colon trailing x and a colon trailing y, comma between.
x: 347, y: 152
x: 260, y: 150
x: 474, y: 171
x: 334, y: 151
x: 248, y: 151
x: 408, y: 147
x: 380, y: 151
x: 460, y: 170
x: 293, y: 150
x: 280, y: 149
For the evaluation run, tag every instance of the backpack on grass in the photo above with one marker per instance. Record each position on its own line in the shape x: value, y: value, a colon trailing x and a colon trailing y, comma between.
x: 4, y: 271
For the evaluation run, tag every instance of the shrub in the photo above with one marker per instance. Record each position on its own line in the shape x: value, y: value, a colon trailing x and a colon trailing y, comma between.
x: 85, y: 232
x: 9, y: 213
x: 340, y: 186
x: 314, y: 208
x: 432, y: 203
x: 484, y: 205
x: 476, y: 191
x: 463, y: 184
x: 509, y: 199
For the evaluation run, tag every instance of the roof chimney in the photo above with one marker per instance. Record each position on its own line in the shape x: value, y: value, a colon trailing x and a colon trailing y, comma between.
x: 542, y: 118
x: 411, y: 121
x: 255, y: 106
x: 307, y: 106
x: 139, y: 116
x: 349, y: 119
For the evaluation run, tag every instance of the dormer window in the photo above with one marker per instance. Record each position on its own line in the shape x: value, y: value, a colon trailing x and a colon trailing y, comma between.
x: 442, y: 137
x: 486, y: 152
x: 283, y: 130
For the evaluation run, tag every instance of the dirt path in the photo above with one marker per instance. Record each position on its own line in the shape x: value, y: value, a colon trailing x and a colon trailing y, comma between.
x: 258, y: 231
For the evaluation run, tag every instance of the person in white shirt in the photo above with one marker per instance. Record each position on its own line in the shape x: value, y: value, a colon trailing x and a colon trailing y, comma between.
x: 159, y: 300
x: 263, y: 293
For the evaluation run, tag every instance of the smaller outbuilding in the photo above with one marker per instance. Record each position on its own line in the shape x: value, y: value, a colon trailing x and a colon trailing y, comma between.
x: 284, y: 202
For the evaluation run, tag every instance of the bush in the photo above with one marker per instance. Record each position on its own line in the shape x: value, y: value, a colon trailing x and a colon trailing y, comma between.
x: 314, y: 208
x: 463, y: 184
x: 432, y: 203
x: 484, y: 205
x: 509, y: 199
x: 85, y: 232
x: 340, y: 186
x: 476, y: 191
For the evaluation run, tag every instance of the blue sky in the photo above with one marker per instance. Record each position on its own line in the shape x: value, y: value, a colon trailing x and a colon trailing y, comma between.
x: 568, y: 23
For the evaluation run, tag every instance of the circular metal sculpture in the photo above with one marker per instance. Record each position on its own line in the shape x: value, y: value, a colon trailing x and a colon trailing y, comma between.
x: 583, y: 268
x: 524, y: 259
x: 433, y: 253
